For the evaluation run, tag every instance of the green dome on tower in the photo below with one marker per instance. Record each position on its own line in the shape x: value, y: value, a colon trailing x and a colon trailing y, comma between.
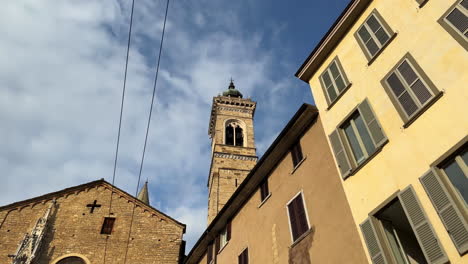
x: 232, y: 91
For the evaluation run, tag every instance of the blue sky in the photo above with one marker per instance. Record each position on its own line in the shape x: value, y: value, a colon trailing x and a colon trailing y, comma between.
x: 61, y: 72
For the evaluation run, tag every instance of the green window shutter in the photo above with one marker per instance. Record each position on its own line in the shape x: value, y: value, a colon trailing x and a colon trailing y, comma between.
x: 422, y: 228
x: 340, y: 154
x: 372, y: 124
x: 373, y: 245
x: 453, y: 220
x: 458, y: 19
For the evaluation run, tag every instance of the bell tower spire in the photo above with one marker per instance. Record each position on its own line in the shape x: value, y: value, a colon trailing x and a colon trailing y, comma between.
x: 233, y: 146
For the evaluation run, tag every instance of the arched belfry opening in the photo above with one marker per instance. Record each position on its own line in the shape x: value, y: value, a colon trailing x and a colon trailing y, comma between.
x: 229, y: 135
x: 239, y: 138
x: 234, y: 135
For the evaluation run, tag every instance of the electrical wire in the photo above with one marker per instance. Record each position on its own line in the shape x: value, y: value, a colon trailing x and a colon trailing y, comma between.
x: 147, y: 126
x: 120, y: 118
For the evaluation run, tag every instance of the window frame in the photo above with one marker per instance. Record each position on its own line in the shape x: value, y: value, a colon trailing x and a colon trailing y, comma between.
x: 450, y: 154
x: 352, y: 123
x: 296, y: 148
x: 423, y: 77
x: 104, y: 227
x: 455, y: 157
x: 421, y: 3
x: 382, y: 240
x: 450, y: 28
x: 383, y: 24
x: 346, y: 82
x: 209, y: 253
x: 264, y: 196
x: 347, y: 146
x: 244, y: 251
x: 223, y: 241
x: 299, y: 238
x: 235, y: 124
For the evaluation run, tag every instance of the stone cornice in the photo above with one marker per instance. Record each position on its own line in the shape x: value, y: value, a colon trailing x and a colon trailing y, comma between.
x: 234, y: 156
x: 229, y: 104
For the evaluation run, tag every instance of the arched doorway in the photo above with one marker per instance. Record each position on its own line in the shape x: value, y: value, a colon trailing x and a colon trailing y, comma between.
x: 72, y: 260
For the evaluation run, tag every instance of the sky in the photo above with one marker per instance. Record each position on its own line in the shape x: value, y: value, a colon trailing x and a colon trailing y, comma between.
x: 61, y: 76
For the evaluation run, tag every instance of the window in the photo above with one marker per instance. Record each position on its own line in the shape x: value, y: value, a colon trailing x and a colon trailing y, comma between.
x: 297, y: 217
x: 373, y: 35
x: 224, y: 237
x: 209, y: 253
x: 455, y: 21
x: 357, y: 139
x: 296, y: 153
x: 108, y: 225
x: 334, y: 81
x: 264, y: 192
x: 244, y: 257
x: 409, y: 88
x: 447, y: 187
x: 421, y: 2
x: 456, y: 171
x: 234, y: 135
x: 402, y: 230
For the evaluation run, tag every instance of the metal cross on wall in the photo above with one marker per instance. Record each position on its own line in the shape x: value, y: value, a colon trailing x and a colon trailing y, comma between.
x: 93, y: 205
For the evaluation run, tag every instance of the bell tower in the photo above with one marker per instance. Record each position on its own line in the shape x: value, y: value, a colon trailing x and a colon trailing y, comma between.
x: 232, y: 146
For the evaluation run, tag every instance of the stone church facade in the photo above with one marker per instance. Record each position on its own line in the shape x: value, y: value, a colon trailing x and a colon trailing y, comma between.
x: 77, y: 226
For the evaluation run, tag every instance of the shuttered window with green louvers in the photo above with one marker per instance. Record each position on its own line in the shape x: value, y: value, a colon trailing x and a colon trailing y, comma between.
x: 455, y: 22
x: 357, y: 139
x: 443, y: 195
x: 373, y: 35
x: 373, y: 242
x: 458, y: 18
x: 333, y: 81
x: 428, y: 240
x: 409, y: 88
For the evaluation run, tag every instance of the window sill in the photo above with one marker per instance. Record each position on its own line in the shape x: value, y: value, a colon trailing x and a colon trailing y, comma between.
x: 382, y: 49
x: 306, y: 233
x: 264, y: 200
x: 423, y: 109
x: 355, y: 170
x: 298, y: 164
x: 221, y: 249
x: 423, y: 4
x: 339, y: 96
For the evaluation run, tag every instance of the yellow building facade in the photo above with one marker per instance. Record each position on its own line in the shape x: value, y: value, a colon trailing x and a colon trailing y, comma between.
x: 390, y: 82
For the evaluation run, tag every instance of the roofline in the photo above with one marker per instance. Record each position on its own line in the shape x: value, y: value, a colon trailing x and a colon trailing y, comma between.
x: 331, y: 39
x: 81, y: 186
x: 301, y: 113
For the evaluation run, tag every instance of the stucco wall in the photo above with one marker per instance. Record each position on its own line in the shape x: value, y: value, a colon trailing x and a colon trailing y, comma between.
x: 154, y: 238
x: 411, y: 150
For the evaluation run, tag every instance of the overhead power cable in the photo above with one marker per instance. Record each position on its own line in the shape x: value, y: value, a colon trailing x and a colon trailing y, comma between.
x: 148, y: 125
x: 120, y: 118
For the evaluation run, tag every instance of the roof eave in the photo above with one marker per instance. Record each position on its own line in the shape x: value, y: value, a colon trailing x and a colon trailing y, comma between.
x: 331, y: 39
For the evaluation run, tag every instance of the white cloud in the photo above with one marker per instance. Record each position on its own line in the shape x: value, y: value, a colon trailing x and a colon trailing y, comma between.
x: 61, y: 73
